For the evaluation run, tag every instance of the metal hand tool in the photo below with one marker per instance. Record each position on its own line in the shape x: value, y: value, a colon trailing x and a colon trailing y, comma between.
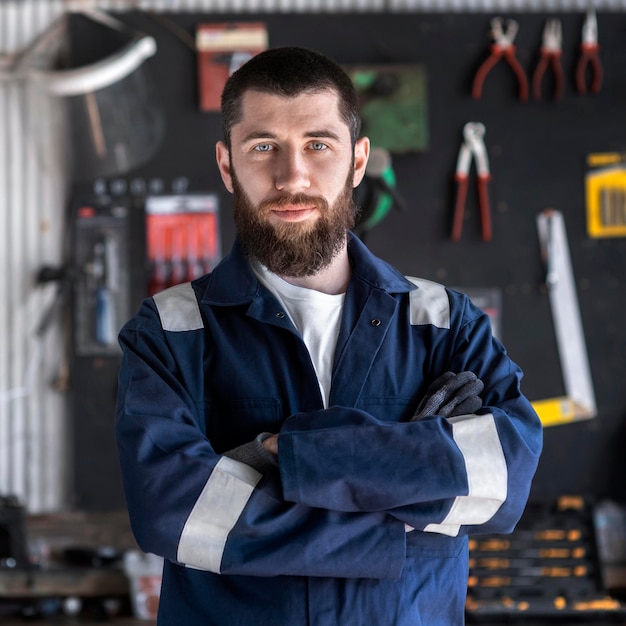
x: 550, y: 56
x: 503, y: 47
x: 579, y: 401
x: 473, y: 146
x: 589, y: 56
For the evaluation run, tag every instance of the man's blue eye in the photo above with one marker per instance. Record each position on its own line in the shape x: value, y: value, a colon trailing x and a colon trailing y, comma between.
x: 263, y: 147
x: 318, y: 145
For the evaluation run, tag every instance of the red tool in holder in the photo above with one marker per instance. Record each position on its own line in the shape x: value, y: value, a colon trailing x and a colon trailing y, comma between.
x: 502, y: 47
x: 472, y: 146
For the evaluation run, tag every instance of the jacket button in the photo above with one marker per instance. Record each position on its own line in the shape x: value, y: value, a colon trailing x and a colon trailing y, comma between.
x: 280, y: 315
x: 375, y: 322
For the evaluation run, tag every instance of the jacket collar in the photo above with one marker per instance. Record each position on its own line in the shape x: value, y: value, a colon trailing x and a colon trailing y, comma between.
x: 232, y: 282
x: 378, y: 273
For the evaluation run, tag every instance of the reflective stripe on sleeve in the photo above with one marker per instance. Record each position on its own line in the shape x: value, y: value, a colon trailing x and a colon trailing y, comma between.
x: 477, y: 438
x: 215, y: 513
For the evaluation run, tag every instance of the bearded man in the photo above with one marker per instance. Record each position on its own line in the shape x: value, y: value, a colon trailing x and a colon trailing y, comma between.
x: 307, y: 436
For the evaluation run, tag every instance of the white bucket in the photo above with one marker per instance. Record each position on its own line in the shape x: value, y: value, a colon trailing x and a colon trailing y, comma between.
x: 144, y: 571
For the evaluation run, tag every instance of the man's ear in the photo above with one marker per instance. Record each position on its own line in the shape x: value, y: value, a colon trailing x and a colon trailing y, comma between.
x: 361, y: 155
x: 222, y: 156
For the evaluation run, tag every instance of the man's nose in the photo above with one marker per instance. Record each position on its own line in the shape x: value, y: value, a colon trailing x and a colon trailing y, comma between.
x: 292, y: 172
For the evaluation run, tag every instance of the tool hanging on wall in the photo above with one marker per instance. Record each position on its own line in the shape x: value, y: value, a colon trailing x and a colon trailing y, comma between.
x: 393, y: 104
x: 182, y: 233
x: 503, y: 47
x: 579, y: 401
x: 101, y: 284
x: 551, y: 52
x: 589, y: 56
x: 115, y: 121
x: 104, y: 275
x: 377, y: 193
x: 605, y: 194
x: 222, y: 48
x: 472, y: 146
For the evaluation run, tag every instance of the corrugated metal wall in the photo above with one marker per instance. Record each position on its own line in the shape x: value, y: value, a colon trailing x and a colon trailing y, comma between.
x: 33, y: 417
x: 35, y: 427
x: 260, y: 6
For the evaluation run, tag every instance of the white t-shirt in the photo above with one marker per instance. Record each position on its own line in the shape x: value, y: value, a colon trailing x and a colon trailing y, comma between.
x: 316, y: 315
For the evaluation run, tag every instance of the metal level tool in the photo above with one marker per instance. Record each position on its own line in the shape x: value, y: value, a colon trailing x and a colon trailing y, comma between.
x: 579, y: 401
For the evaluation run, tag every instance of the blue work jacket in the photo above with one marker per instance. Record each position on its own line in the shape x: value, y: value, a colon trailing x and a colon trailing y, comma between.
x: 325, y: 539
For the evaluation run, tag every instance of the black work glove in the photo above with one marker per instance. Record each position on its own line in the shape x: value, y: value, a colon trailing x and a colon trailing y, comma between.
x: 254, y: 454
x: 451, y: 394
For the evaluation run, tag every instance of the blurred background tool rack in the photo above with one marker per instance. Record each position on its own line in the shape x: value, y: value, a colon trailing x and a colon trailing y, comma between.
x: 549, y: 568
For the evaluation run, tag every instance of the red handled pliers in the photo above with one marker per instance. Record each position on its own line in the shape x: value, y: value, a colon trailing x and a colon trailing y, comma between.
x: 551, y: 52
x: 589, y: 56
x: 472, y: 146
x: 502, y: 47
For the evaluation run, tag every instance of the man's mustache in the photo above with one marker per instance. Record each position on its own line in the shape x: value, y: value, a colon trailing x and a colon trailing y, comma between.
x: 299, y: 199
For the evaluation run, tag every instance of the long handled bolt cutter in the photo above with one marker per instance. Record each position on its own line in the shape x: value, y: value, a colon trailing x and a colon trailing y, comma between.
x: 472, y: 146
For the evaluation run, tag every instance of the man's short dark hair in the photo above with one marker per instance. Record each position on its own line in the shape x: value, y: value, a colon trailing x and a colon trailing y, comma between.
x: 289, y: 72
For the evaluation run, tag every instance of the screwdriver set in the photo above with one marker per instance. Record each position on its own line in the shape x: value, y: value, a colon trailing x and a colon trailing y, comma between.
x: 182, y: 234
x: 547, y: 568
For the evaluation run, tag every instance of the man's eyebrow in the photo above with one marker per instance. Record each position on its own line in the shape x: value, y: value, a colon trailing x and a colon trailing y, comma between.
x: 328, y: 134
x: 259, y: 134
x: 313, y: 134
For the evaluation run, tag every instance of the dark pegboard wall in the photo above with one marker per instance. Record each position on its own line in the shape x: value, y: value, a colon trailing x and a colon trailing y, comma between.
x: 537, y: 152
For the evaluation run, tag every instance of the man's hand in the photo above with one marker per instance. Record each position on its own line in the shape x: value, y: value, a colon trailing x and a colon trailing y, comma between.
x: 271, y: 444
x: 256, y: 454
x: 450, y: 395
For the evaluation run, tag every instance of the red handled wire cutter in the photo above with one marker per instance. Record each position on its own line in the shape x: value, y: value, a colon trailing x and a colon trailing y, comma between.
x: 502, y: 47
x: 551, y: 51
x: 589, y: 56
x: 472, y: 146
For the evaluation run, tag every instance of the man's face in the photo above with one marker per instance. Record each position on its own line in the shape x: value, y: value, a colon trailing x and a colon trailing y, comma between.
x: 292, y: 169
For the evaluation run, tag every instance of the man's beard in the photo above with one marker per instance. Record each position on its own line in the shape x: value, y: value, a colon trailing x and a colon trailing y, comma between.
x: 293, y: 249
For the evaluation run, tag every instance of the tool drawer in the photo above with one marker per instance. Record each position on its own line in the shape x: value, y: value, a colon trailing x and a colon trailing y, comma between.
x: 548, y: 567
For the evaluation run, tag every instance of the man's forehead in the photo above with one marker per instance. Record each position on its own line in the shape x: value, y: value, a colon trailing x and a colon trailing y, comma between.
x: 255, y: 97
x: 313, y: 91
x: 313, y: 109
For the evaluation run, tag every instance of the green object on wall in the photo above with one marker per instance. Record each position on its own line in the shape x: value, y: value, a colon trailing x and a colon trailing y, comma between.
x: 393, y: 103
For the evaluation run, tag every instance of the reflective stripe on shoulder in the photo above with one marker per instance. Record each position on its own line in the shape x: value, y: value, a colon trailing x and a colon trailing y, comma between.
x: 487, y: 474
x: 178, y: 308
x: 214, y: 515
x: 429, y: 303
